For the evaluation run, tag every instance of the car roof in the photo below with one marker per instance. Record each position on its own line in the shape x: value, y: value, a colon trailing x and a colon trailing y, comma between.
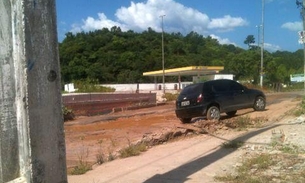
x: 213, y: 81
x: 207, y: 82
x: 218, y: 80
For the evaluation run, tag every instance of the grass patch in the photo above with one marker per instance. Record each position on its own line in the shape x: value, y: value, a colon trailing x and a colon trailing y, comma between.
x: 261, y: 162
x: 243, y: 122
x: 288, y: 148
x: 300, y: 109
x: 285, y: 166
x: 111, y: 157
x: 259, y: 121
x: 133, y: 150
x: 81, y: 168
x: 100, y: 157
x: 232, y: 144
x: 247, y: 172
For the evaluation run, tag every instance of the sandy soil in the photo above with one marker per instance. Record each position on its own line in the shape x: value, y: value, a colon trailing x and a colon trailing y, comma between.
x: 88, y: 136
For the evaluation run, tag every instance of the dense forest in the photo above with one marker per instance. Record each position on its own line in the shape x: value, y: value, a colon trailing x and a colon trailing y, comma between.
x: 114, y: 56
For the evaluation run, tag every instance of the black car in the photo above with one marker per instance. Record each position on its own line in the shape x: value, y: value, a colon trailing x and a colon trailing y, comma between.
x: 211, y: 98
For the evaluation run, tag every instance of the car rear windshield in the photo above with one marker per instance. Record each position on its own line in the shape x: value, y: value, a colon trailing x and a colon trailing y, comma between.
x: 192, y: 89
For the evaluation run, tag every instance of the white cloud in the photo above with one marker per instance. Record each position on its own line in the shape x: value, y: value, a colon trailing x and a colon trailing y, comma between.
x: 221, y: 40
x: 93, y: 24
x: 271, y: 47
x: 138, y: 16
x: 293, y: 26
x: 227, y: 23
x: 178, y: 18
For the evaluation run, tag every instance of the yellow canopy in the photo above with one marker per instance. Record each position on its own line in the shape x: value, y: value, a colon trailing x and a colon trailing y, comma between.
x: 186, y: 71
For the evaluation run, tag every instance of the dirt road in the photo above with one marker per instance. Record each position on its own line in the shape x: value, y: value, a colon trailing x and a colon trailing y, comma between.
x: 85, y: 137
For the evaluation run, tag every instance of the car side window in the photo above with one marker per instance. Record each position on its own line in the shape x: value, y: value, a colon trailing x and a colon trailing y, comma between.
x: 234, y: 86
x: 220, y: 86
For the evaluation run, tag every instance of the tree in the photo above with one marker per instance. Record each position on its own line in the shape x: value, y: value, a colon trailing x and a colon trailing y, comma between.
x: 245, y: 65
x: 249, y: 41
x: 115, y: 56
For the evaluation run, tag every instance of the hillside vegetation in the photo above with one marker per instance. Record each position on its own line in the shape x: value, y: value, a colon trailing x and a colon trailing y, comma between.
x: 114, y: 56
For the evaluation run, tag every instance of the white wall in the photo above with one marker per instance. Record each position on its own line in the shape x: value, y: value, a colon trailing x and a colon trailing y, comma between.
x: 149, y: 86
x: 145, y: 86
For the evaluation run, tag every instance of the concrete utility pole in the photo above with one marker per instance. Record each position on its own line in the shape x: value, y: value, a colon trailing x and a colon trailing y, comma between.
x: 32, y: 145
x: 258, y: 32
x: 262, y: 46
x: 163, y: 76
x: 303, y: 18
x: 302, y: 39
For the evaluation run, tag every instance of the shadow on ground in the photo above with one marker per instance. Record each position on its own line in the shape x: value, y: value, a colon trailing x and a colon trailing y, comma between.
x: 181, y: 174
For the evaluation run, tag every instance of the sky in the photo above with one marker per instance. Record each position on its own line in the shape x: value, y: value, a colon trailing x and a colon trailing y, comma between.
x: 228, y: 21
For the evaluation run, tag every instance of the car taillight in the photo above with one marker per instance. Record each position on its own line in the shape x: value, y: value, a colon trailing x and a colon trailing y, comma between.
x: 199, y: 98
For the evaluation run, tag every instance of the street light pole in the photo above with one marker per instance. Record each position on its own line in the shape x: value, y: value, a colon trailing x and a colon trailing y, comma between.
x: 162, y: 16
x: 262, y: 46
x: 258, y: 37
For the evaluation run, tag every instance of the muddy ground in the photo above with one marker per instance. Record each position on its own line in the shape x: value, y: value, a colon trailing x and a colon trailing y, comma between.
x: 86, y: 137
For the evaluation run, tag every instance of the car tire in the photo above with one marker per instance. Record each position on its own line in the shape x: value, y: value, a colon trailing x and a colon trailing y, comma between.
x: 185, y: 120
x: 213, y: 113
x: 259, y: 104
x: 231, y: 113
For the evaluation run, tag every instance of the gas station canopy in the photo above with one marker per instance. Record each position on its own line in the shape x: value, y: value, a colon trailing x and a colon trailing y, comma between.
x: 186, y: 71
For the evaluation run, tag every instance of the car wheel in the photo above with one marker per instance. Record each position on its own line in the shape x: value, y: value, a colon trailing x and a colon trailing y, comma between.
x: 213, y: 113
x: 185, y: 120
x: 259, y: 104
x: 231, y: 113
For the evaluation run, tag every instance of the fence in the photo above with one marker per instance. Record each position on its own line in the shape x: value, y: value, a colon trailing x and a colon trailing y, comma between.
x: 97, y: 103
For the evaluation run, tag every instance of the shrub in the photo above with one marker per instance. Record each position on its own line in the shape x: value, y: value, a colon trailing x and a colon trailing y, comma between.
x: 233, y: 144
x: 301, y: 109
x: 81, y: 168
x: 100, y: 157
x: 68, y: 114
x: 91, y: 85
x: 133, y: 150
x: 170, y: 96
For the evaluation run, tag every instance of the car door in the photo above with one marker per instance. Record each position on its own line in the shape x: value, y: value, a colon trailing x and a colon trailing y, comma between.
x: 222, y: 94
x: 240, y: 97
